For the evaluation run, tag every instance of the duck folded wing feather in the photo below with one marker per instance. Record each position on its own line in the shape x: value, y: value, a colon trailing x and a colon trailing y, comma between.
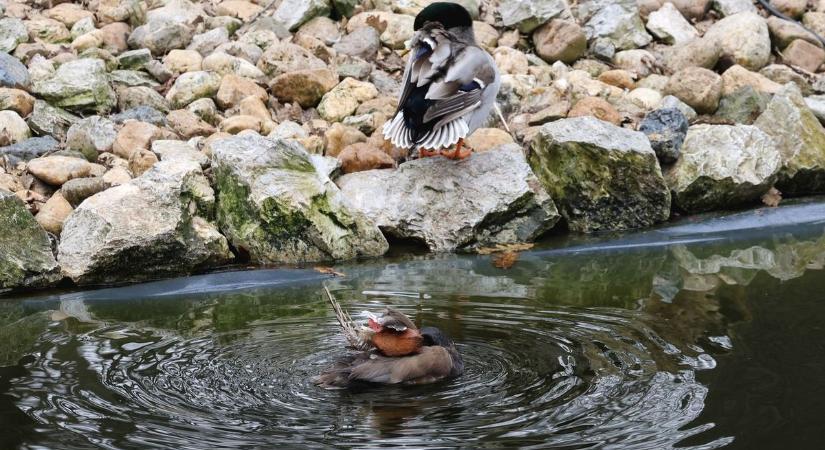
x: 431, y: 364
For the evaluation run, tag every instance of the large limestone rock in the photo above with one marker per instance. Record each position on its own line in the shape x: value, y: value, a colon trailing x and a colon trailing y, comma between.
x: 742, y: 39
x: 154, y: 226
x: 294, y: 13
x: 79, y: 85
x: 26, y: 258
x: 800, y: 139
x: 723, y: 166
x: 491, y: 198
x: 601, y: 176
x: 618, y: 25
x: 528, y: 15
x: 276, y: 205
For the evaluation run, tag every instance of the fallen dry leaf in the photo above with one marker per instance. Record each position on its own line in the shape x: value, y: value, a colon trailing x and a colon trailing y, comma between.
x: 772, y: 198
x: 329, y: 271
x: 505, y: 260
x: 376, y: 22
x: 503, y: 248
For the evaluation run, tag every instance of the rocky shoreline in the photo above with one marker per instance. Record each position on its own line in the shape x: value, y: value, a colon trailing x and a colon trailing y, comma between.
x: 147, y: 139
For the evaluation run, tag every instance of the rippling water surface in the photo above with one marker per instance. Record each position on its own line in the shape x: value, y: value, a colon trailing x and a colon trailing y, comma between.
x: 648, y: 343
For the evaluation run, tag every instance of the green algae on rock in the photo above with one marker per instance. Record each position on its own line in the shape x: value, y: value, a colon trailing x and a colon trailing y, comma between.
x: 602, y: 177
x: 79, y: 85
x: 800, y: 139
x: 26, y: 258
x: 723, y: 166
x: 276, y: 205
x: 155, y: 226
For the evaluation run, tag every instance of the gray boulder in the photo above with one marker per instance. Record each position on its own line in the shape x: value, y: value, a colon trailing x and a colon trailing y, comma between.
x: 528, y: 15
x: 619, y: 25
x: 154, y: 226
x: 743, y: 39
x: 601, y: 176
x: 45, y: 119
x: 26, y: 258
x: 29, y: 149
x: 275, y: 204
x: 12, y: 32
x: 79, y: 85
x: 294, y: 13
x: 13, y: 73
x: 91, y: 136
x: 723, y: 166
x: 491, y: 198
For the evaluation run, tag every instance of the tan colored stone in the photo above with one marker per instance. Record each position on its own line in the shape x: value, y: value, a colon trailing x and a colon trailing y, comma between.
x: 238, y: 8
x: 484, y: 139
x: 187, y: 124
x: 596, y: 107
x: 115, y: 37
x: 510, y: 60
x: 700, y: 88
x: 344, y: 99
x: 362, y: 156
x: 338, y: 136
x: 560, y: 40
x: 133, y: 137
x: 737, y: 77
x: 486, y: 35
x: 377, y: 140
x: 141, y: 161
x: 182, y: 61
x: 13, y: 128
x: 56, y: 170
x: 47, y: 30
x: 803, y: 54
x: 234, y: 89
x: 236, y: 124
x: 117, y: 176
x: 253, y: 106
x: 67, y: 13
x: 619, y: 78
x: 53, y: 213
x: 792, y: 8
x: 307, y: 87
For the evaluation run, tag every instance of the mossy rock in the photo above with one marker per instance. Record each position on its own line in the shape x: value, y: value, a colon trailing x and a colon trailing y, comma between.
x: 26, y: 258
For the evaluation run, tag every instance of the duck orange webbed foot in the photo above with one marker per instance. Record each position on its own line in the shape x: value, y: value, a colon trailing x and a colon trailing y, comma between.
x: 458, y: 153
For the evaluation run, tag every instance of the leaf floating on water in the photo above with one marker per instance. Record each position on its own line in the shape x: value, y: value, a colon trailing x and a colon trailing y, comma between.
x: 329, y: 271
x: 772, y: 198
x: 504, y: 248
x: 505, y: 260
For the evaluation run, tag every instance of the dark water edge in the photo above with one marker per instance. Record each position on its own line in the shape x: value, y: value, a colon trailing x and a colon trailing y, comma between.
x: 707, y: 333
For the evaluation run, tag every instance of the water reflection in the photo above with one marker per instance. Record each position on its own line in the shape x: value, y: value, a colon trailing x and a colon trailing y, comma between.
x: 570, y: 348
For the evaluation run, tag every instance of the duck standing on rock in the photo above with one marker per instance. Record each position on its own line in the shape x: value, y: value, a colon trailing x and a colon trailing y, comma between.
x: 450, y: 84
x: 394, y: 351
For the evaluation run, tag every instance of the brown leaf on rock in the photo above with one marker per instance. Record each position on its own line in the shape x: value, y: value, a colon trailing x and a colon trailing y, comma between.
x: 376, y: 22
x: 505, y: 260
x: 329, y: 271
x: 503, y: 248
x: 772, y: 198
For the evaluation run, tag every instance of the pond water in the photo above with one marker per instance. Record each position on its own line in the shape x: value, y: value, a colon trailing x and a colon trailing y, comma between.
x: 706, y: 334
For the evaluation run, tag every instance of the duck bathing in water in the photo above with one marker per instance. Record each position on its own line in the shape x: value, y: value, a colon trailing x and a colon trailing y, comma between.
x: 449, y: 86
x: 392, y: 351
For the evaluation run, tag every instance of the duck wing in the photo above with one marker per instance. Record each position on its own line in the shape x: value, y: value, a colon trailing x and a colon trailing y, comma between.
x: 445, y: 81
x: 432, y: 364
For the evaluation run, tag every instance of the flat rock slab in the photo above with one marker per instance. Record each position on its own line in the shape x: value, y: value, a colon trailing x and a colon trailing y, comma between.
x: 488, y: 199
x: 26, y: 258
x: 603, y: 177
x: 276, y: 205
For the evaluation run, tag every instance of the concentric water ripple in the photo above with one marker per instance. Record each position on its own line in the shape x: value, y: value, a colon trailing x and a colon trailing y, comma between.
x: 535, y: 377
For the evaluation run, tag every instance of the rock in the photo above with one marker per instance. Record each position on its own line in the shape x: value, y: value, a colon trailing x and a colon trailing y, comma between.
x: 782, y: 75
x: 800, y: 139
x: 345, y: 8
x: 487, y: 35
x: 510, y: 60
x: 618, y: 25
x: 117, y: 176
x: 29, y: 149
x: 154, y: 226
x: 699, y: 88
x: 553, y: 112
x: 109, y: 11
x: 181, y: 61
x: 306, y: 87
x: 344, y: 99
x: 670, y: 101
x: 132, y: 78
x: 53, y: 213
x: 80, y: 85
x: 602, y: 177
x: 640, y: 62
x: 737, y: 77
x: 225, y: 64
x: 47, y: 30
x: 670, y: 26
x: 803, y: 54
x: 743, y: 39
x: 322, y: 28
x: 236, y: 124
x: 233, y: 89
x: 284, y: 57
x: 619, y: 78
x: 26, y: 259
x: 48, y: 120
x: 696, y: 53
x: 528, y: 15
x: 91, y: 136
x: 16, y: 100
x: 206, y: 43
x: 362, y: 156
x: 76, y: 190
x: 141, y: 161
x: 338, y: 136
x: 114, y: 37
x: 363, y: 42
x: 731, y: 7
x: 56, y: 170
x: 142, y: 114
x: 399, y: 27
x: 560, y: 40
x: 134, y: 136
x: 187, y: 124
x: 13, y: 128
x: 134, y: 59
x: 784, y: 32
x: 644, y: 98
x: 294, y: 13
x: 666, y: 129
x: 275, y: 205
x: 12, y: 32
x: 67, y: 13
x: 692, y: 9
x: 241, y: 9
x: 177, y: 150
x: 743, y: 105
x: 13, y: 74
x: 815, y: 21
x: 141, y: 96
x: 161, y: 36
x: 723, y: 166
x: 191, y: 86
x: 596, y: 107
x: 486, y: 139
x: 792, y: 8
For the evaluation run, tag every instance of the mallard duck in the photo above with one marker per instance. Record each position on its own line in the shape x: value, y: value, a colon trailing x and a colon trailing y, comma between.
x: 450, y: 84
x: 394, y: 351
